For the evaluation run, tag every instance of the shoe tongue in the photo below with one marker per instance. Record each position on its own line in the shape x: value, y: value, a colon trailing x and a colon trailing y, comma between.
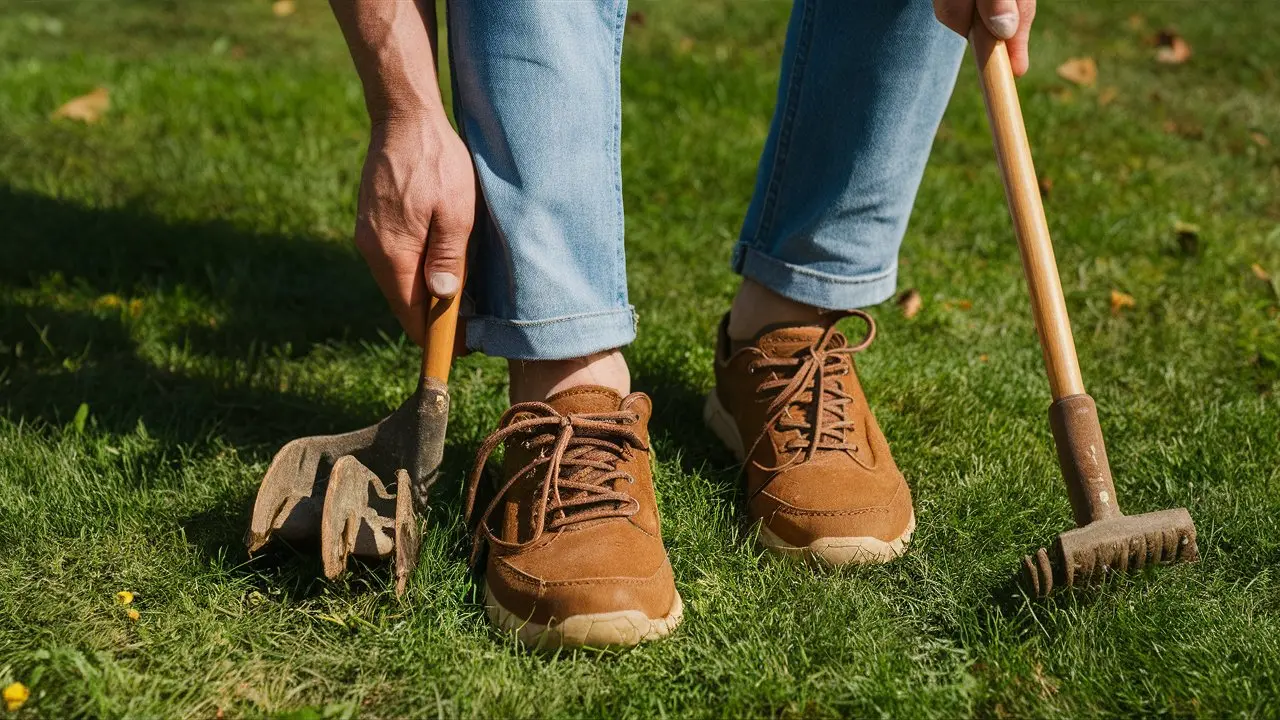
x: 787, y: 341
x: 585, y: 399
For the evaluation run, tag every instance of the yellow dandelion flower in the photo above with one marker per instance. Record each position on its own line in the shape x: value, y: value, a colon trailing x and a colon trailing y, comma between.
x: 15, y: 696
x: 133, y: 614
x: 124, y: 597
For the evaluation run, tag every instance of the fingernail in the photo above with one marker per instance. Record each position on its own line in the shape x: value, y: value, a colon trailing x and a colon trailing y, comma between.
x: 1005, y: 25
x: 444, y: 284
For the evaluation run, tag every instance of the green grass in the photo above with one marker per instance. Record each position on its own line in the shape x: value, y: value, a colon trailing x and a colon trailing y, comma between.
x: 183, y: 269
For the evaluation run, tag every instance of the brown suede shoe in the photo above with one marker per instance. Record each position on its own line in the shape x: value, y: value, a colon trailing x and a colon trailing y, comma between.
x: 575, y: 552
x: 819, y: 476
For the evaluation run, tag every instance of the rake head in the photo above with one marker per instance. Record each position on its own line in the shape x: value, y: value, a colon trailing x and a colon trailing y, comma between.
x: 1127, y: 543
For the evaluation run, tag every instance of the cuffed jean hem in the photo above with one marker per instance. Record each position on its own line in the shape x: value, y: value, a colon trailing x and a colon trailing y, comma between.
x: 831, y: 292
x: 558, y: 338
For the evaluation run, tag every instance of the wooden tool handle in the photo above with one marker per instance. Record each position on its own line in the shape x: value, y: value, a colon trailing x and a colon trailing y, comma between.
x: 442, y: 329
x: 1022, y: 190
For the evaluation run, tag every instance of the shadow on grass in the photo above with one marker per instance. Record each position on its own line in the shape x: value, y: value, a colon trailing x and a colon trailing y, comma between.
x: 677, y: 425
x: 274, y: 295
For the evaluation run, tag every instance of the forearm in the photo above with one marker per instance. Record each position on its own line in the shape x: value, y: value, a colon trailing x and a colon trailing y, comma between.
x: 393, y: 44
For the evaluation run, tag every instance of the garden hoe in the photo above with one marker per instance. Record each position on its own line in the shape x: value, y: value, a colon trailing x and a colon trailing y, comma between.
x: 359, y: 493
x: 1105, y: 540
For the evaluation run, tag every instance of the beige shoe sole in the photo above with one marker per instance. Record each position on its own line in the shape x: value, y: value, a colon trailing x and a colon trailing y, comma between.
x: 842, y: 550
x: 623, y: 628
x: 828, y: 550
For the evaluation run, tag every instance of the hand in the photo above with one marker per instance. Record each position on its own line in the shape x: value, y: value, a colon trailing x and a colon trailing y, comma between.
x: 415, y: 212
x: 1009, y: 20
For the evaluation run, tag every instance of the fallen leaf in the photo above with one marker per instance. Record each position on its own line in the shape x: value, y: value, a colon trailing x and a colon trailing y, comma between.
x: 1120, y: 301
x: 110, y: 300
x: 283, y: 8
x: 636, y: 18
x: 132, y: 614
x: 983, y: 358
x: 910, y: 302
x: 1173, y: 50
x: 1260, y: 272
x: 86, y: 108
x: 1063, y: 94
x: 1081, y: 71
x: 124, y: 597
x: 1259, y: 139
x: 1108, y: 95
x: 15, y: 696
x: 1189, y: 130
x: 1046, y: 185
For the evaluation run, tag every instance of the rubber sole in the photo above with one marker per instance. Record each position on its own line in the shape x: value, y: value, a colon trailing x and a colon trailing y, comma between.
x: 623, y: 628
x: 829, y: 550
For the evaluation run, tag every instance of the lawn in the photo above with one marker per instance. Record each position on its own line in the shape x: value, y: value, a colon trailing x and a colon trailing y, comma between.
x: 179, y: 296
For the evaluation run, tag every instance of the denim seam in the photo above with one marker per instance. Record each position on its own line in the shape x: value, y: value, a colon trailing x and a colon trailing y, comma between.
x: 821, y: 276
x: 790, y: 109
x: 550, y: 321
x: 619, y: 257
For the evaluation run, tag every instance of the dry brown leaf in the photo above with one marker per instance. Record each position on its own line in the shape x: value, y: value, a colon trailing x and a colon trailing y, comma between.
x: 1120, y: 301
x: 1046, y: 185
x: 636, y: 18
x: 1173, y: 50
x: 1081, y: 71
x: 1108, y: 95
x: 1259, y: 139
x: 1260, y: 272
x: 86, y: 108
x: 910, y: 302
x: 283, y: 8
x: 1063, y: 95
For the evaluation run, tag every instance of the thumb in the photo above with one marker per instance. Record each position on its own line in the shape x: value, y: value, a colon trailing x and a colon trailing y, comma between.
x: 1000, y: 17
x: 446, y: 247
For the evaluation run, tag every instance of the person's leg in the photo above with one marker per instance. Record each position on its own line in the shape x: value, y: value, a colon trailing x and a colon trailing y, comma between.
x: 537, y: 100
x: 862, y: 90
x: 863, y: 87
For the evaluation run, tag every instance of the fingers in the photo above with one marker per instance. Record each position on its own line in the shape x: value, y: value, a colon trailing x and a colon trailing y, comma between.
x: 956, y: 15
x: 395, y: 260
x: 446, y: 247
x: 1019, y: 54
x: 1001, y: 17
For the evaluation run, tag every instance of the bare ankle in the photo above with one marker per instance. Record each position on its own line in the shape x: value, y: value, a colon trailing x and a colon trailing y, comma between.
x: 537, y: 380
x: 756, y: 307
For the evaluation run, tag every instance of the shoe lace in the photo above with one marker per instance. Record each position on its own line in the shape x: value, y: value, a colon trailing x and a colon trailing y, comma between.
x: 577, y: 456
x: 810, y: 381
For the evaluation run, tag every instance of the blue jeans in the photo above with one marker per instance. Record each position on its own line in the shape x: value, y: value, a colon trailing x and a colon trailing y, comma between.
x: 536, y: 92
